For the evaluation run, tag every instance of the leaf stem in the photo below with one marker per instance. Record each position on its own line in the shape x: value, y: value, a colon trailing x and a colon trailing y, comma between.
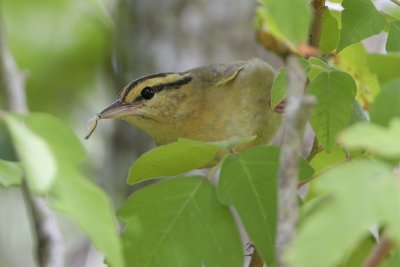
x: 49, y: 250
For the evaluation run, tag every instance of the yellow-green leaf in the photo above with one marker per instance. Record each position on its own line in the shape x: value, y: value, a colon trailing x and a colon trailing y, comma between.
x: 172, y: 159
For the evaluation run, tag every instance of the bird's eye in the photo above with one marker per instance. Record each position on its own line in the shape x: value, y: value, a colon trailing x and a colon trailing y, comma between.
x: 147, y: 93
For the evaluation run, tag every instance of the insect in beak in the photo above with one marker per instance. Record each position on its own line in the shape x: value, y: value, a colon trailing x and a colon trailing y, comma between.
x: 117, y: 109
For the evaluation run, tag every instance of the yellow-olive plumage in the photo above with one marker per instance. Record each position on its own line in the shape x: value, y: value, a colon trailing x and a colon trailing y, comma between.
x: 211, y: 103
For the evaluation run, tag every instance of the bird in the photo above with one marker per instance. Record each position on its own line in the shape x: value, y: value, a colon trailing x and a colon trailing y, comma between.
x: 216, y: 102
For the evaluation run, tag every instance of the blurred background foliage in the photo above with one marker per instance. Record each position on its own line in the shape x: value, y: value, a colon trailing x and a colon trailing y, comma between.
x: 77, y: 55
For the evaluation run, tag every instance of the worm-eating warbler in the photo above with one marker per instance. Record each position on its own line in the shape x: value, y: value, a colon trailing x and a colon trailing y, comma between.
x: 211, y: 103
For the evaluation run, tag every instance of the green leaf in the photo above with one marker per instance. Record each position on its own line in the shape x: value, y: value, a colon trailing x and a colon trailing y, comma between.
x: 353, y: 60
x: 172, y: 159
x: 385, y: 66
x: 179, y: 222
x: 387, y: 104
x: 230, y: 144
x: 393, y: 39
x: 329, y: 32
x: 37, y: 158
x: 382, y: 141
x: 360, y: 19
x: 335, y: 92
x: 10, y: 173
x: 88, y: 206
x: 278, y: 92
x: 294, y: 25
x: 370, y: 196
x: 248, y: 181
x: 338, y: 16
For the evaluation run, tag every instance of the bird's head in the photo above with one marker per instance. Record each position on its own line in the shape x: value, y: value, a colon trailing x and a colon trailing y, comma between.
x: 151, y: 102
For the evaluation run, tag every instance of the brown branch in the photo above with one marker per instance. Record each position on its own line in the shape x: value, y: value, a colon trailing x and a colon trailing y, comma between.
x: 318, y: 7
x: 256, y: 260
x: 297, y: 111
x: 379, y: 253
x: 316, y: 25
x: 49, y: 250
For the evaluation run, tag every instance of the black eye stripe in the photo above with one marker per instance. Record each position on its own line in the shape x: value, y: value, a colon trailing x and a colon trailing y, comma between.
x: 166, y: 86
x: 136, y: 82
x: 172, y: 85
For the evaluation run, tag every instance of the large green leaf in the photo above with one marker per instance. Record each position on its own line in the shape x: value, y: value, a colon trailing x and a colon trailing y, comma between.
x: 294, y: 25
x: 48, y: 149
x: 382, y: 141
x: 88, y: 206
x: 36, y: 155
x: 329, y: 32
x: 357, y: 195
x: 172, y: 159
x: 335, y: 92
x: 179, y: 222
x: 360, y: 19
x: 393, y: 40
x: 387, y: 104
x: 278, y: 91
x: 248, y: 181
x: 353, y: 60
x: 10, y: 173
x: 385, y: 66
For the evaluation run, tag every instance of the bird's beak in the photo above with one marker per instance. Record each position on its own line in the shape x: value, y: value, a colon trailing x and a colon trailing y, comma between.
x: 117, y: 109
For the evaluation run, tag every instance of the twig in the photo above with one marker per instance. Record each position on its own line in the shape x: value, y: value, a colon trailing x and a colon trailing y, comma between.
x: 397, y: 2
x: 314, y: 40
x: 379, y: 253
x: 297, y: 111
x: 316, y: 25
x: 49, y: 250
